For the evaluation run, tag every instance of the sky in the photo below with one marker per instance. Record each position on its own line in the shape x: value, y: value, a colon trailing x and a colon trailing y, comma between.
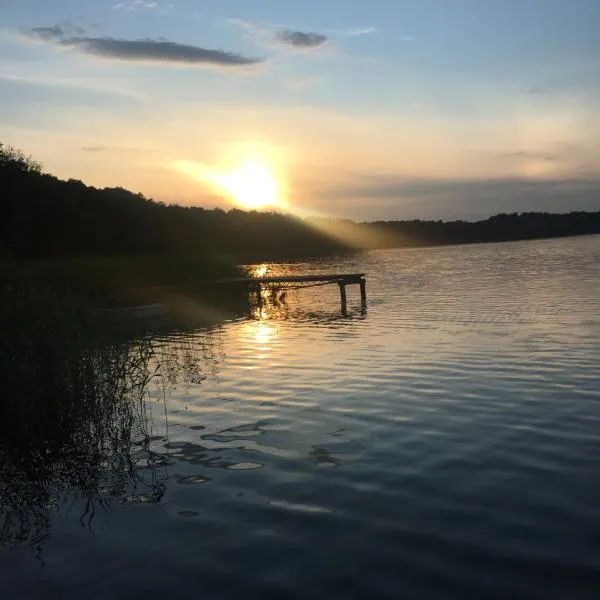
x: 387, y: 109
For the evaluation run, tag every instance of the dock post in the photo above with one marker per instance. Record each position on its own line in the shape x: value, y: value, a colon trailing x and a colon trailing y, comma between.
x: 363, y: 293
x: 342, y: 285
x: 259, y: 299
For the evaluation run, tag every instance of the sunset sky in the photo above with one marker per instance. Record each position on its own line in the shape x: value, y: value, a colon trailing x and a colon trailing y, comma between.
x: 372, y: 110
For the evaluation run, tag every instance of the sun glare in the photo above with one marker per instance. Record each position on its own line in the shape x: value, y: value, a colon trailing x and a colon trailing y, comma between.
x: 251, y: 185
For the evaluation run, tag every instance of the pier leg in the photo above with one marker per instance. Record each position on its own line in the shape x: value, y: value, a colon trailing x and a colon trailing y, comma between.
x: 342, y: 285
x: 259, y: 298
x: 363, y: 294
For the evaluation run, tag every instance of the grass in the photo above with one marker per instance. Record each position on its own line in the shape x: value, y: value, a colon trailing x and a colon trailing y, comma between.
x: 55, y: 363
x: 60, y: 359
x: 72, y: 406
x: 73, y: 386
x: 116, y: 281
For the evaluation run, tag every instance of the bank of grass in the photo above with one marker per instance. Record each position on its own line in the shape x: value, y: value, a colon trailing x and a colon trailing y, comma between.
x: 73, y: 384
x: 112, y: 282
x: 49, y: 370
x: 72, y: 404
x: 65, y: 367
x: 73, y: 381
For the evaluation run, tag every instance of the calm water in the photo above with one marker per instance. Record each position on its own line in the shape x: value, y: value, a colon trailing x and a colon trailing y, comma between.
x: 446, y: 444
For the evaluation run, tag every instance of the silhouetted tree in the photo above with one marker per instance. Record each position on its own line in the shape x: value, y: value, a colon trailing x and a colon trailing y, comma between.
x: 14, y: 159
x: 43, y: 217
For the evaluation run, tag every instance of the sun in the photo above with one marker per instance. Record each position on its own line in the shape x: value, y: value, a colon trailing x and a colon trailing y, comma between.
x: 251, y: 185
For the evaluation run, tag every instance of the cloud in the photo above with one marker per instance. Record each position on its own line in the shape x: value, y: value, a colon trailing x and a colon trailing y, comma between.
x: 360, y: 31
x: 389, y: 186
x: 300, y: 39
x: 109, y: 149
x: 443, y: 198
x: 528, y: 155
x: 303, y: 82
x: 145, y: 50
x: 143, y: 4
x: 67, y: 91
x: 47, y: 34
x: 270, y: 35
x: 357, y: 32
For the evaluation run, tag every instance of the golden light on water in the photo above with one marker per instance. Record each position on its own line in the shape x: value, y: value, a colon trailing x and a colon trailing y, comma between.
x: 262, y: 338
x: 262, y: 333
x: 258, y: 270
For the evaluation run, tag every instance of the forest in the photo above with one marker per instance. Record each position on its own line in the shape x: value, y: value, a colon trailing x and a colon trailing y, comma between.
x: 43, y: 217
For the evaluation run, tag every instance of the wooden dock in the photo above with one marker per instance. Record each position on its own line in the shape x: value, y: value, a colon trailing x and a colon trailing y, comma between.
x: 342, y: 280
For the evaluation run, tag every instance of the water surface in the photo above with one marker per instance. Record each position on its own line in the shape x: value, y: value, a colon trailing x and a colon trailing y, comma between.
x: 444, y: 444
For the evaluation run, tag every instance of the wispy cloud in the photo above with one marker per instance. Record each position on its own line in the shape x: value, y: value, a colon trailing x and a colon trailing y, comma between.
x: 143, y: 5
x: 303, y: 82
x: 47, y: 34
x: 528, y: 155
x: 109, y: 149
x: 413, y: 197
x: 270, y: 35
x: 391, y: 186
x: 145, y: 50
x: 361, y: 31
x: 95, y: 89
x: 354, y: 32
x: 300, y: 39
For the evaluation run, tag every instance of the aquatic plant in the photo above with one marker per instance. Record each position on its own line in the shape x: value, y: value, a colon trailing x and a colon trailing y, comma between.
x: 73, y: 410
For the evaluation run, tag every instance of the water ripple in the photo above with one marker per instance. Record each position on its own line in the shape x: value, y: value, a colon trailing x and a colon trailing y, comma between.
x: 446, y: 444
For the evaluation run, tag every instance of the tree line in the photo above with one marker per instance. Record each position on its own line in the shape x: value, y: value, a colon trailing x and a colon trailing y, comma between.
x: 42, y: 216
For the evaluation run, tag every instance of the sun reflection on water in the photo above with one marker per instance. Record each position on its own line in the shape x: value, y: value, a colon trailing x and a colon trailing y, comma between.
x: 260, y: 338
x: 258, y: 270
x: 262, y: 333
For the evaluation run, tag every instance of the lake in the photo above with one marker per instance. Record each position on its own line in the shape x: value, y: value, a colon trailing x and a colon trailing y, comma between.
x: 443, y: 444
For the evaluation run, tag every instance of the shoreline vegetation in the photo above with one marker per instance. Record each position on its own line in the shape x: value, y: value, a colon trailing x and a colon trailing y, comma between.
x: 43, y: 217
x: 112, y: 248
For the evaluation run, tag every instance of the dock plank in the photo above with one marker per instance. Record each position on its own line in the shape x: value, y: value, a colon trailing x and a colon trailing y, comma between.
x: 333, y: 278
